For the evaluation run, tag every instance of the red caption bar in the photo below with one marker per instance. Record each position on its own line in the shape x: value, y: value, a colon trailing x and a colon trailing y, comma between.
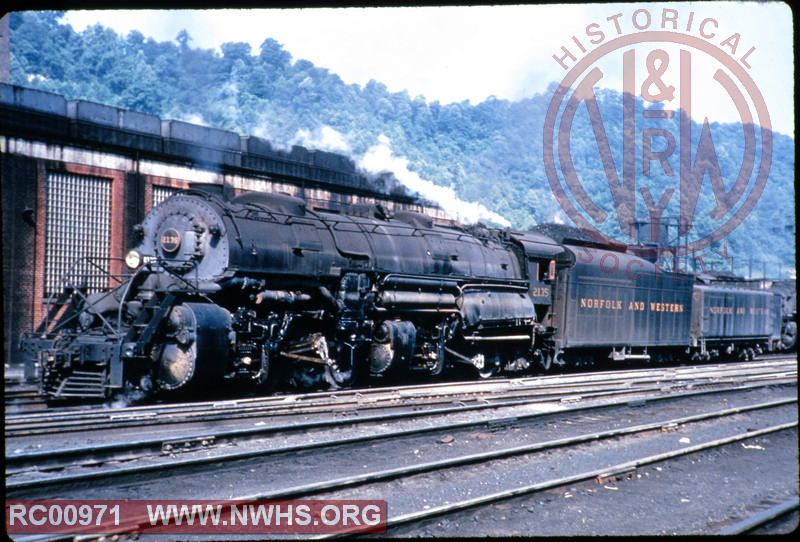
x: 200, y: 517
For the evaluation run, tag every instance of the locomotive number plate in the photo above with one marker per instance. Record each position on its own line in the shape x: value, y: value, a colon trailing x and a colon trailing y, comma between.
x: 171, y: 240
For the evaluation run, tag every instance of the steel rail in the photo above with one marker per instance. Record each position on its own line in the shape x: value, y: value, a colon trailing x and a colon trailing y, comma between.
x: 589, y: 475
x: 752, y: 523
x: 157, y: 443
x: 452, y: 403
x: 26, y: 423
x: 565, y: 379
x: 449, y: 508
x: 431, y: 406
x: 294, y: 492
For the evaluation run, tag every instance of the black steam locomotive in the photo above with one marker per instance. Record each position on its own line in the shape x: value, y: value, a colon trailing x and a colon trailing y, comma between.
x: 259, y: 290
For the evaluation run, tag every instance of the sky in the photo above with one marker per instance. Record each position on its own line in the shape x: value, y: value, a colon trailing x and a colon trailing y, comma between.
x: 471, y: 53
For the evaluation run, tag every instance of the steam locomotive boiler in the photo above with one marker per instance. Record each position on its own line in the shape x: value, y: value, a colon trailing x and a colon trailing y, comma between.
x: 260, y: 289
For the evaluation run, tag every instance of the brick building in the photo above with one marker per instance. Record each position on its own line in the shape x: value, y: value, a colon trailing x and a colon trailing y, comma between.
x: 78, y: 176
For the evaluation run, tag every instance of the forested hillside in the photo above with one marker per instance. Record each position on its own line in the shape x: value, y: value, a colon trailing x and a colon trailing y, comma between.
x: 489, y: 153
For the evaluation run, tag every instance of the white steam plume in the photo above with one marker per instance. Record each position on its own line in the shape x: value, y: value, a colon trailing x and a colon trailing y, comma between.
x: 325, y: 138
x: 380, y: 158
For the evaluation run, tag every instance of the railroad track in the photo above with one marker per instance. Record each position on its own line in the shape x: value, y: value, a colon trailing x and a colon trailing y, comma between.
x: 495, y: 405
x: 755, y: 524
x: 452, y: 468
x: 343, y: 403
x: 23, y: 398
x: 164, y: 452
x: 465, y: 449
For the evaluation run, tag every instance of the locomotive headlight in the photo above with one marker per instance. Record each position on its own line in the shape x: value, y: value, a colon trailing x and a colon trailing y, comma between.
x: 133, y: 259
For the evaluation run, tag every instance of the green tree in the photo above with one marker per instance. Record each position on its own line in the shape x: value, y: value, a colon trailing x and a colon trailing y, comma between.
x: 490, y: 153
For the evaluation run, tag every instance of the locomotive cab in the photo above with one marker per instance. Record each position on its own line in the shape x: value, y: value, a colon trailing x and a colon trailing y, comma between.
x: 538, y: 255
